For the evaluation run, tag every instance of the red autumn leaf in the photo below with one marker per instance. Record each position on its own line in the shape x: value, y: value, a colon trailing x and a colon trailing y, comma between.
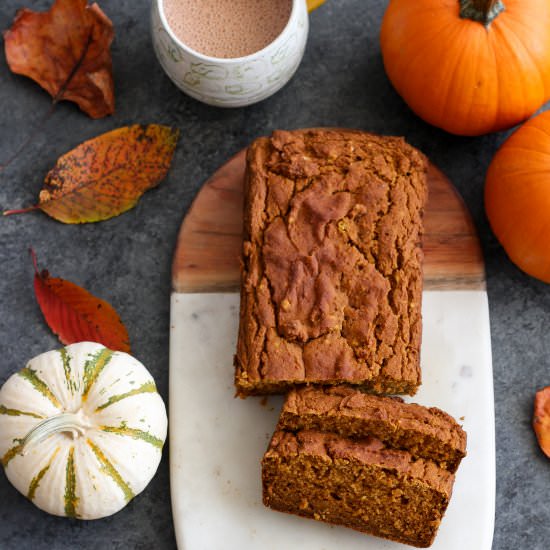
x: 67, y: 51
x: 541, y: 419
x: 75, y: 315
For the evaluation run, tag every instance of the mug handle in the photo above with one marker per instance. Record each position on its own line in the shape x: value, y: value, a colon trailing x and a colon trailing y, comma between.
x: 314, y: 4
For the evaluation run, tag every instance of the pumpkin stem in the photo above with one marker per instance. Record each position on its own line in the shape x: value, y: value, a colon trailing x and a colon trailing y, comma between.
x: 482, y: 11
x: 63, y: 422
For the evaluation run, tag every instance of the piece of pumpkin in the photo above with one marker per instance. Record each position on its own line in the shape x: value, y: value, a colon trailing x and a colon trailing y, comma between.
x: 517, y: 197
x: 81, y: 430
x: 469, y: 66
x: 541, y: 419
x: 314, y: 4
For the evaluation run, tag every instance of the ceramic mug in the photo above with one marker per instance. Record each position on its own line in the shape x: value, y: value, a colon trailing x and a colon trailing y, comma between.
x: 231, y: 82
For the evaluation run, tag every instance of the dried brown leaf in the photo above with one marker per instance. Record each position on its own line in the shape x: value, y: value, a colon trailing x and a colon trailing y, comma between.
x: 67, y: 51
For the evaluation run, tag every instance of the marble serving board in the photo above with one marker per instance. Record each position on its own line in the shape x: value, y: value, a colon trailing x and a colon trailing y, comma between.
x: 217, y: 440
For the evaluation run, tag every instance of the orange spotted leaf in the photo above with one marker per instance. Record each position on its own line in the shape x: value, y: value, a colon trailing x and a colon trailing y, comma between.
x: 75, y: 315
x: 541, y: 419
x: 106, y: 176
x: 67, y: 51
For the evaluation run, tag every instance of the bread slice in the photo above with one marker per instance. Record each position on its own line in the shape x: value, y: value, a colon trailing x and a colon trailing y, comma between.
x: 427, y: 433
x: 326, y: 466
x: 331, y: 278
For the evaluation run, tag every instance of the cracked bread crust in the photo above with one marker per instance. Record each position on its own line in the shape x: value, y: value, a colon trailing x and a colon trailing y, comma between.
x: 331, y: 276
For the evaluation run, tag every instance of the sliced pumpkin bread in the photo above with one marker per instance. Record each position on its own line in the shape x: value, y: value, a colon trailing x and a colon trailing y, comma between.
x: 322, y: 463
x: 425, y: 432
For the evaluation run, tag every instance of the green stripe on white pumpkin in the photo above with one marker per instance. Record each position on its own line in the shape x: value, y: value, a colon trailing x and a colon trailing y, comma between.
x: 148, y: 387
x: 39, y: 385
x: 93, y: 368
x: 71, y: 500
x: 134, y: 434
x: 85, y: 485
x: 17, y: 412
x: 11, y: 454
x: 35, y: 482
x: 66, y: 360
x: 111, y: 471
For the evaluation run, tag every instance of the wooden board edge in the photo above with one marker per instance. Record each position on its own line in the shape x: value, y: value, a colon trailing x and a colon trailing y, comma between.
x: 224, y: 190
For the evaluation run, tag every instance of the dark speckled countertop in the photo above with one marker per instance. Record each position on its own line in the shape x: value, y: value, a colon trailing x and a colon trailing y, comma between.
x: 126, y: 260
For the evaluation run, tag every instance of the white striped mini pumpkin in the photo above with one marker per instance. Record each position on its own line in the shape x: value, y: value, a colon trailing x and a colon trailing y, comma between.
x: 81, y: 430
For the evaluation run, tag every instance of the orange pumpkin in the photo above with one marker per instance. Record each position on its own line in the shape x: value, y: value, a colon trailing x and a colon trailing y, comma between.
x: 469, y: 66
x: 517, y: 196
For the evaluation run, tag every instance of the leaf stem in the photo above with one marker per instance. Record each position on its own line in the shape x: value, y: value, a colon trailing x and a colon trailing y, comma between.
x: 56, y: 99
x: 39, y: 126
x: 20, y: 210
x: 34, y: 260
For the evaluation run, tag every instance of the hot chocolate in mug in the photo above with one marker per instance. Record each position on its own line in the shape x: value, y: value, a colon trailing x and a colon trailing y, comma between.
x: 219, y: 79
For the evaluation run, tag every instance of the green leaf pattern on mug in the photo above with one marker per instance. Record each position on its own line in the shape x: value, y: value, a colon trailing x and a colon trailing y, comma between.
x: 249, y: 69
x: 244, y: 88
x: 171, y: 49
x: 209, y: 71
x: 191, y: 79
x: 284, y: 51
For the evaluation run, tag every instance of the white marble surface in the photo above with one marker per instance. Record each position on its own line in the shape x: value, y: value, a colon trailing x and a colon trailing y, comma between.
x: 217, y: 441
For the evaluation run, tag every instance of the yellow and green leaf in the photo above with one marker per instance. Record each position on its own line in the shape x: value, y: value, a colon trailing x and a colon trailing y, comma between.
x: 106, y: 176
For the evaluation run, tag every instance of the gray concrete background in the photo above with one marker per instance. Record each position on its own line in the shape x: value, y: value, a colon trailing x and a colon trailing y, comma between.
x: 127, y: 260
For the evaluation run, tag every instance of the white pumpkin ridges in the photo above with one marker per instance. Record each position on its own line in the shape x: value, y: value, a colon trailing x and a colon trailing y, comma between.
x: 148, y: 387
x: 81, y: 430
x: 111, y: 471
x: 39, y: 385
x: 134, y: 434
x: 35, y: 482
x: 93, y: 368
x: 17, y: 412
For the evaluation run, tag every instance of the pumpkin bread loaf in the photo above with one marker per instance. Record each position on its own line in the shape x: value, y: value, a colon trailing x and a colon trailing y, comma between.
x: 326, y: 466
x: 331, y: 277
